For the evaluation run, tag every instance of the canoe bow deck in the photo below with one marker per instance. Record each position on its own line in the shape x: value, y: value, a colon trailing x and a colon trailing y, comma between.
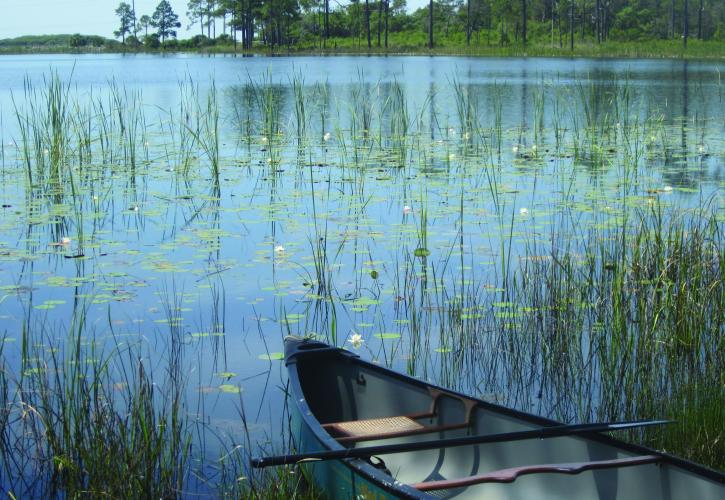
x: 343, y: 402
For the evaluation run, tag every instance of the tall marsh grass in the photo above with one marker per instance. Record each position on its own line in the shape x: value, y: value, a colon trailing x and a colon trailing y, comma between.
x: 88, y: 418
x: 411, y: 221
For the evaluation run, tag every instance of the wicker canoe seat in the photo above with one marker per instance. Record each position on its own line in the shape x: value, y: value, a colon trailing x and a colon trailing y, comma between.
x: 375, y: 426
x: 396, y: 426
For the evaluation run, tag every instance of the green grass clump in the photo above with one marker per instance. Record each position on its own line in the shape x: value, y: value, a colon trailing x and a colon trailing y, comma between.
x: 697, y: 434
x: 85, y: 421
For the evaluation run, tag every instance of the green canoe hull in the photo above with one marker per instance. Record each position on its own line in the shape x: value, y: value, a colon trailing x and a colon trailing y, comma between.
x: 332, y: 477
x: 332, y: 387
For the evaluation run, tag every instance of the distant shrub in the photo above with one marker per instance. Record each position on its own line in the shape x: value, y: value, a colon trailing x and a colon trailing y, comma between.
x: 632, y: 24
x: 151, y: 41
x: 719, y: 32
x: 224, y: 40
x: 77, y: 40
x: 133, y: 41
x: 200, y: 41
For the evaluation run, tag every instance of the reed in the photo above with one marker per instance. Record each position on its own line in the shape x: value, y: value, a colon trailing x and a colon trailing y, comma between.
x: 91, y: 419
x: 466, y: 106
x: 126, y: 107
x: 268, y: 98
x: 298, y: 84
x: 205, y: 130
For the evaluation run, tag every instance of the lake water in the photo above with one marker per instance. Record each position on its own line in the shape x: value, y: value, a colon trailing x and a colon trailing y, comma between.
x: 399, y: 212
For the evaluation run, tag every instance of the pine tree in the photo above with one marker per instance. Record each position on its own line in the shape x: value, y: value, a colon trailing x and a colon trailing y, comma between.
x: 128, y: 20
x: 165, y: 21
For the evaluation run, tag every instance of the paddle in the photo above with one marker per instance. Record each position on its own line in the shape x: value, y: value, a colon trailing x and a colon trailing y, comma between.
x: 367, y: 451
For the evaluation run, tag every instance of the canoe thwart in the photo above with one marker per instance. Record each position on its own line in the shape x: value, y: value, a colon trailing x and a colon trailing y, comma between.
x: 468, y: 404
x: 511, y: 474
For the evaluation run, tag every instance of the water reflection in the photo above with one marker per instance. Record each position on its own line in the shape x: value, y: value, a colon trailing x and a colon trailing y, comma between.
x: 442, y: 209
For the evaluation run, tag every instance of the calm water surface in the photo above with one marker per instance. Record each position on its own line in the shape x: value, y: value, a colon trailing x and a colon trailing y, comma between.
x: 232, y: 260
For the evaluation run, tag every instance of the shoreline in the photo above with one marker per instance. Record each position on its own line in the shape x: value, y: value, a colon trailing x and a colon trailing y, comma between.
x: 699, y: 51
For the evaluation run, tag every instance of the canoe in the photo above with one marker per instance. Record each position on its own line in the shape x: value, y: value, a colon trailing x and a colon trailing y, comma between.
x: 344, y: 405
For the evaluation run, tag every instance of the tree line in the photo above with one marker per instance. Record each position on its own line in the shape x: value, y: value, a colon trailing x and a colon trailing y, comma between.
x: 373, y: 23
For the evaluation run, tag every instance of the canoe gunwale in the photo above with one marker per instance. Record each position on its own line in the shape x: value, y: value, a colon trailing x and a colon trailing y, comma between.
x: 357, y: 465
x: 402, y: 490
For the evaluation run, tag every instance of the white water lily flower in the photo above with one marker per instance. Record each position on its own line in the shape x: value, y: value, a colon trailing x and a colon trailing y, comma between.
x: 407, y: 210
x: 65, y: 240
x: 279, y: 249
x: 356, y: 340
x: 515, y: 149
x: 523, y: 211
x: 326, y: 137
x: 667, y: 189
x: 452, y: 156
x: 264, y: 140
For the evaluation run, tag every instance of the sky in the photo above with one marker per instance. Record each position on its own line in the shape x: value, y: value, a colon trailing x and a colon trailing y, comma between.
x: 88, y: 17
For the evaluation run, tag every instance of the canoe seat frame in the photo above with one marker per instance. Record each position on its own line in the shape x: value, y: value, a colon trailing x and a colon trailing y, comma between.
x: 355, y: 431
x: 511, y: 474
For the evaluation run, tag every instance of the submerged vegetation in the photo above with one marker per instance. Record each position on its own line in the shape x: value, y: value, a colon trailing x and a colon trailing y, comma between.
x: 563, y: 257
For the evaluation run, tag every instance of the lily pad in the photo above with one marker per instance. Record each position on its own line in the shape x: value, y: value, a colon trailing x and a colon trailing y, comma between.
x: 230, y: 389
x: 421, y: 252
x: 272, y: 356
